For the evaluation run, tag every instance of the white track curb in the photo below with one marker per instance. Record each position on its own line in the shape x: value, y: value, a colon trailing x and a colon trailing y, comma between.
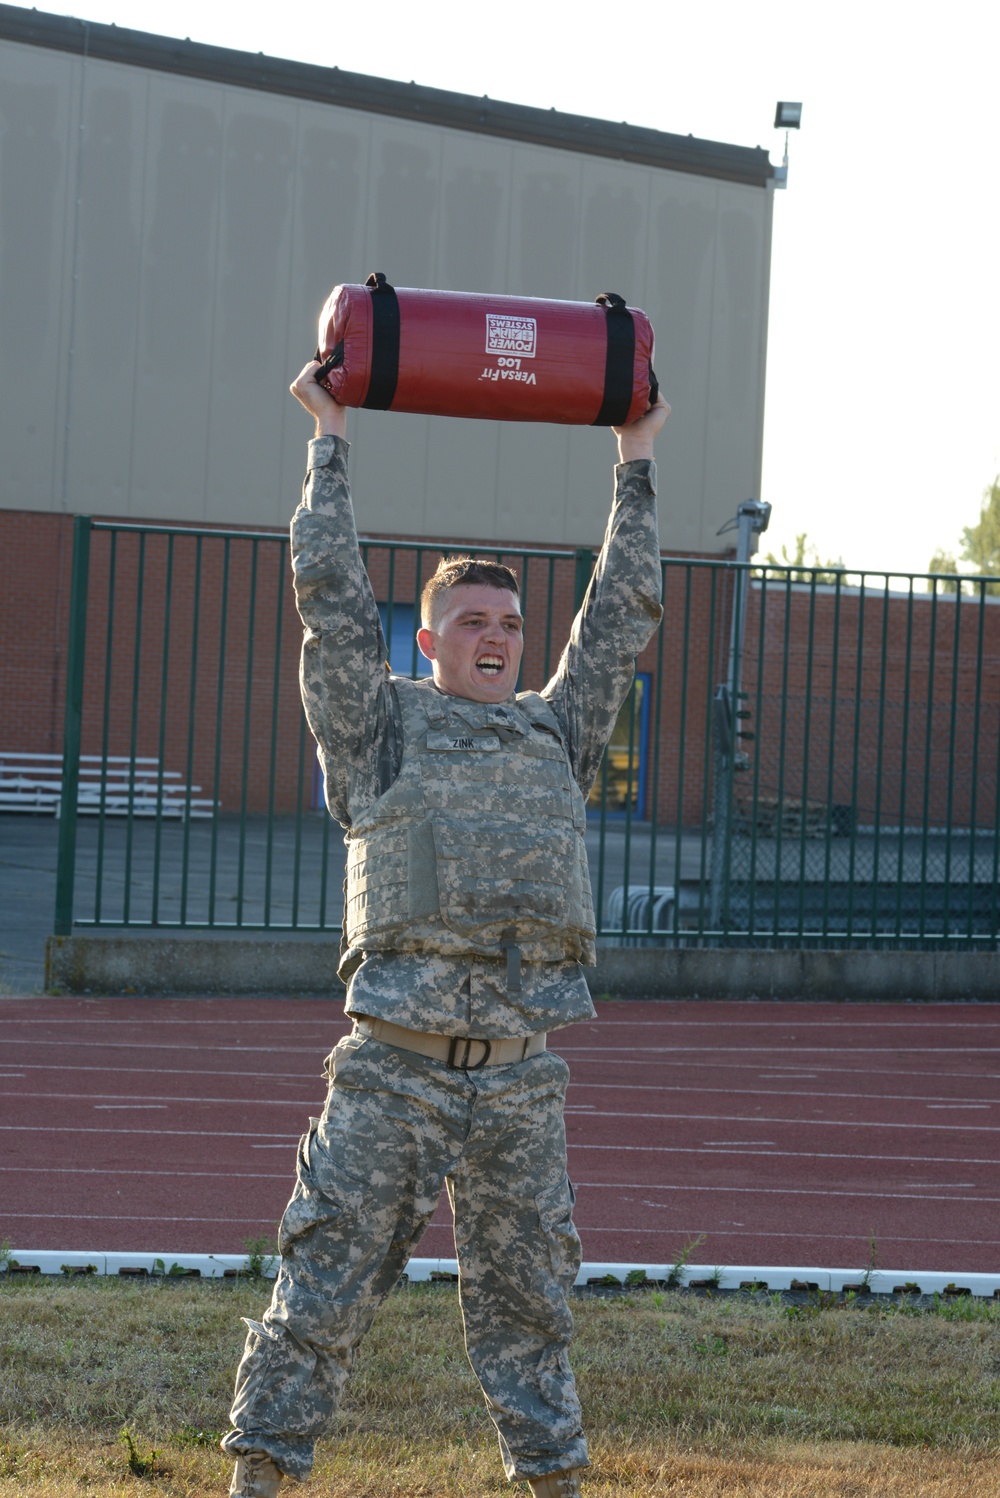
x: 694, y: 1276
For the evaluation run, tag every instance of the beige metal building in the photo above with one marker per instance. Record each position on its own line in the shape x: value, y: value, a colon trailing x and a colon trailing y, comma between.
x: 173, y: 215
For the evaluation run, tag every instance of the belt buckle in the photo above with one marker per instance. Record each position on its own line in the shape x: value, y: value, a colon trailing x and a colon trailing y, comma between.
x: 468, y: 1042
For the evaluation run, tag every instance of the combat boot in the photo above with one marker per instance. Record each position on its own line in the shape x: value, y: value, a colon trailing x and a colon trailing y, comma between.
x: 256, y: 1476
x: 565, y: 1484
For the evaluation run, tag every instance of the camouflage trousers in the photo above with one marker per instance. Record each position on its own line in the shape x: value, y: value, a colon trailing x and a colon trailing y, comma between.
x: 395, y: 1126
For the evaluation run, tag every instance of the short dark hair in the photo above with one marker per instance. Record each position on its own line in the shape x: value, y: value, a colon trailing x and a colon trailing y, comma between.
x: 455, y: 572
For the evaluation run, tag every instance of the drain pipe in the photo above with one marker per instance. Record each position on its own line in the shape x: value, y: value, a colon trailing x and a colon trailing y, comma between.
x: 750, y: 522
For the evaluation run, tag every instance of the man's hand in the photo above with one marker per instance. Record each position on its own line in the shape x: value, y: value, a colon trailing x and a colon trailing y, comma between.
x: 331, y: 416
x: 636, y: 440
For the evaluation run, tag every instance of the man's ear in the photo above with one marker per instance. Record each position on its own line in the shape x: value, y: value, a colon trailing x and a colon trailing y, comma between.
x: 425, y: 639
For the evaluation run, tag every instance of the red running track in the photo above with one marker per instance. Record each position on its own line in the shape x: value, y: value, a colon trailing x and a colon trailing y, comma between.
x: 786, y: 1134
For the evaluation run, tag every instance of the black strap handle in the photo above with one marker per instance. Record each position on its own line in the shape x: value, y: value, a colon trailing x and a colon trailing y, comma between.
x: 385, y: 344
x: 619, y: 361
x: 331, y: 362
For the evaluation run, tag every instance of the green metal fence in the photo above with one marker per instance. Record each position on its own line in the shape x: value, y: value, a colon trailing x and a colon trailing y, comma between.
x: 807, y: 758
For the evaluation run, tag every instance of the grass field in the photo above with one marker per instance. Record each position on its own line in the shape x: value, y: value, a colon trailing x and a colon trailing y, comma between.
x: 683, y: 1395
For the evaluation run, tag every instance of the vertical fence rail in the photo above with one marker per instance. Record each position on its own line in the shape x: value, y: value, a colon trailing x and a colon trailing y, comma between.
x: 853, y: 800
x: 72, y: 728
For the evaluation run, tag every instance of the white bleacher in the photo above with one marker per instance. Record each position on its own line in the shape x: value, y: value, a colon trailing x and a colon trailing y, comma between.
x: 33, y: 782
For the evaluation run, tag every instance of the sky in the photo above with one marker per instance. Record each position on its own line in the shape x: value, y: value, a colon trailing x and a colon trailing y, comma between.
x: 882, y: 418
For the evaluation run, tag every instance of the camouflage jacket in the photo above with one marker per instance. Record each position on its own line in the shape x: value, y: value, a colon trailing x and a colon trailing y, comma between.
x: 350, y: 708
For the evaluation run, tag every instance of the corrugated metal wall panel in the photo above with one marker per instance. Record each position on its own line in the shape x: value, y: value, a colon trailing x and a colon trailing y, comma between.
x: 171, y: 307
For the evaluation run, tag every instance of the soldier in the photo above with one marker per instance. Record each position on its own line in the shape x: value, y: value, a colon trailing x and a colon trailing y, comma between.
x: 468, y: 915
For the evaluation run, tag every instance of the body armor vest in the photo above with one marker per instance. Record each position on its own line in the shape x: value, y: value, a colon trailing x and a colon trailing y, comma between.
x: 478, y: 845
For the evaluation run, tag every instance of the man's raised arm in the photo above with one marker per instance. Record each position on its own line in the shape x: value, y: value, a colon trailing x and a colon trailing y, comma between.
x: 343, y: 669
x: 621, y: 608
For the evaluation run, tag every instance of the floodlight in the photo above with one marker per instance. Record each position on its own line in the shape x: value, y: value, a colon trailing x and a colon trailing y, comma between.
x: 787, y: 116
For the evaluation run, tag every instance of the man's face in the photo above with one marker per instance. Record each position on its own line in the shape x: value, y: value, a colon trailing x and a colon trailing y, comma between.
x: 475, y: 642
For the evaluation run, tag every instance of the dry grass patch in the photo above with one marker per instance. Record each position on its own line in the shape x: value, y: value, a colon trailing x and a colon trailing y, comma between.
x: 46, y: 1465
x: 683, y: 1396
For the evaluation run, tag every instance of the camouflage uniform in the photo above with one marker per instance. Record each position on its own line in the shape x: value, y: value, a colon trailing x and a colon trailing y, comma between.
x: 397, y: 1124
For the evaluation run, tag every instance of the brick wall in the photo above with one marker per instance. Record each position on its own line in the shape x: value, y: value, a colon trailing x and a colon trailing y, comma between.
x: 35, y: 560
x: 886, y: 704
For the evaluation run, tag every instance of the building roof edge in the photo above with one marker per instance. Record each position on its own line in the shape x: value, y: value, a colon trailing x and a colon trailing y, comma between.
x: 749, y: 165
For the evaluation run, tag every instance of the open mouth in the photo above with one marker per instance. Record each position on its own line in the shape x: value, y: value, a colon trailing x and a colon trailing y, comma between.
x: 490, y: 665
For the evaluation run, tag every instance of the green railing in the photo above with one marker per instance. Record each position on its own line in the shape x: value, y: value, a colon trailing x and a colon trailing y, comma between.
x: 807, y: 759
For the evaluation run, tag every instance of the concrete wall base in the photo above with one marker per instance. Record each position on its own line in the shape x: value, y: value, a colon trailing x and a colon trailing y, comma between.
x: 288, y: 966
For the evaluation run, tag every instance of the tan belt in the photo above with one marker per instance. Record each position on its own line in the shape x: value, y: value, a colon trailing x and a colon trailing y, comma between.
x: 456, y: 1051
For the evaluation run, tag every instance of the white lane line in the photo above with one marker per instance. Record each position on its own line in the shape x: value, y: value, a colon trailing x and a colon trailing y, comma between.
x: 928, y: 1014
x: 101, y: 1170
x: 635, y: 1061
x: 783, y: 1050
x: 147, y: 1046
x: 793, y: 1021
x: 815, y: 1093
x: 173, y: 1071
x: 731, y: 1092
x: 756, y: 1144
x: 165, y: 1098
x: 747, y: 1147
x: 618, y: 1149
x: 142, y: 1021
x: 136, y: 1133
x: 130, y: 1107
x: 848, y: 1237
x: 715, y: 1065
x: 812, y: 1123
x: 709, y: 1231
x: 707, y: 1050
x: 129, y: 1217
x: 895, y: 1196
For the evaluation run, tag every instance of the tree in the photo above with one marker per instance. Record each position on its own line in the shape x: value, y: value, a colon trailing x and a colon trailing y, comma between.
x: 981, y: 543
x: 980, y: 546
x: 943, y: 562
x: 806, y: 557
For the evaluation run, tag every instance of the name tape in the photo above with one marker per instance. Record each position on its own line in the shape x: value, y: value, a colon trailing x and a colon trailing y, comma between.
x: 462, y: 741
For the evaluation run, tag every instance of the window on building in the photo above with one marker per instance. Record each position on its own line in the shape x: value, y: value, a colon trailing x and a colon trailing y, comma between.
x: 399, y: 626
x: 621, y: 781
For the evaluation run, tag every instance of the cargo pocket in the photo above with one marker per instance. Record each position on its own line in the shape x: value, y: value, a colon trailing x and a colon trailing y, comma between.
x: 555, y: 1211
x: 253, y: 1375
x: 326, y: 1195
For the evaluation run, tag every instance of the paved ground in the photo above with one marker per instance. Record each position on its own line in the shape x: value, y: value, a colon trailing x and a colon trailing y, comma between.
x: 781, y: 1134
x: 170, y: 871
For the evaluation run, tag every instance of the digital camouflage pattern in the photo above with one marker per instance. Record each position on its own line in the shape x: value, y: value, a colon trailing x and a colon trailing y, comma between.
x: 478, y: 845
x: 397, y: 1126
x: 352, y: 709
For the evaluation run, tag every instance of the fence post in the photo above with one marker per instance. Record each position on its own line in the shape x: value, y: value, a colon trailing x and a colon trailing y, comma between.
x: 584, y: 570
x: 72, y: 726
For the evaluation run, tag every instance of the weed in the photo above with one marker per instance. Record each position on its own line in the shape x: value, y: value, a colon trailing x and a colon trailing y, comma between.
x: 679, y: 1267
x: 190, y: 1436
x: 716, y: 1347
x: 139, y: 1466
x: 5, y: 1258
x: 866, y: 1276
x: 174, y: 1272
x: 262, y: 1255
